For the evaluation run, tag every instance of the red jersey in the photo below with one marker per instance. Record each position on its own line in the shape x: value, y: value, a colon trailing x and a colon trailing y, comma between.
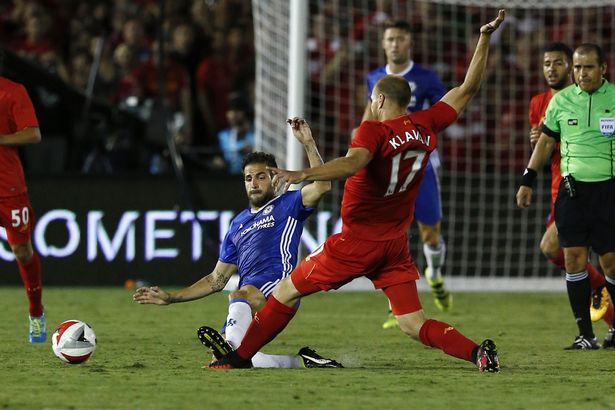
x: 379, y: 199
x: 16, y: 114
x: 538, y: 107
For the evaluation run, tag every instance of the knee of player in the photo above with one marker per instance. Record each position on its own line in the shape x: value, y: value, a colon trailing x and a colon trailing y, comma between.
x: 239, y: 294
x: 608, y: 267
x: 575, y: 259
x: 256, y: 300
x: 430, y: 235
x: 235, y: 294
x: 550, y: 250
x: 23, y: 254
x: 549, y: 244
x: 286, y: 293
x: 432, y: 241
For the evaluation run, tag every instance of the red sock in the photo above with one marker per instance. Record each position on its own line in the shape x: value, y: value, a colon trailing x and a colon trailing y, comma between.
x: 596, y: 279
x: 266, y: 325
x: 31, y: 278
x: 559, y: 260
x: 443, y: 336
x: 608, y: 316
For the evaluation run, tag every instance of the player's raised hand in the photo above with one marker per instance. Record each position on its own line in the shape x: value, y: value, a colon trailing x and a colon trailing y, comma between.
x: 151, y: 295
x: 301, y: 129
x: 493, y: 26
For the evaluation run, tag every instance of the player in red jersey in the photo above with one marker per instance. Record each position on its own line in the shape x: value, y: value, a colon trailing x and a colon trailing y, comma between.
x: 557, y: 66
x: 384, y: 166
x: 19, y: 126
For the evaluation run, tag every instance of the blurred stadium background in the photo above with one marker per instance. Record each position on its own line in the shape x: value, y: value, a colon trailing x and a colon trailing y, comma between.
x: 131, y: 182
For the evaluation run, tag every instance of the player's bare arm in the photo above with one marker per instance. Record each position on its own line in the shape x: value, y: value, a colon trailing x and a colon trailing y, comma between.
x: 30, y: 135
x: 339, y: 168
x: 212, y: 283
x: 541, y: 153
x: 534, y: 136
x: 312, y: 193
x: 459, y: 96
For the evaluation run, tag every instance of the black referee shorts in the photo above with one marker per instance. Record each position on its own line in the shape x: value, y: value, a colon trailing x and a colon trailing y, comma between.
x: 589, y: 218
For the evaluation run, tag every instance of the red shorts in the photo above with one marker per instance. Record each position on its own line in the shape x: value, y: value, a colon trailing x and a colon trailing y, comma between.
x: 17, y: 217
x: 343, y: 258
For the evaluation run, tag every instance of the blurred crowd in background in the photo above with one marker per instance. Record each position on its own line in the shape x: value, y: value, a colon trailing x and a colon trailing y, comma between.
x: 492, y: 134
x: 207, y: 51
x: 109, y: 52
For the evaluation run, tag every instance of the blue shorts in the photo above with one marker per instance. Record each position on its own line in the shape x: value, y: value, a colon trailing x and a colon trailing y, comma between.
x: 428, y: 210
x: 265, y: 283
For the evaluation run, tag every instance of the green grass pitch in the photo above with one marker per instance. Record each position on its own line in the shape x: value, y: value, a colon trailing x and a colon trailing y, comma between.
x: 148, y: 357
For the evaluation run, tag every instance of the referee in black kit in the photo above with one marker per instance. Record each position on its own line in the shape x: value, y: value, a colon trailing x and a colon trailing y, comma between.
x: 582, y: 118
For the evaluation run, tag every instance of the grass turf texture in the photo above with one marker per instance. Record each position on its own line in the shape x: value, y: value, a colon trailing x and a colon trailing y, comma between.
x: 148, y: 357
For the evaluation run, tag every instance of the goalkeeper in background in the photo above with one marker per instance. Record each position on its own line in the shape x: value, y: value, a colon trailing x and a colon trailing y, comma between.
x: 557, y: 67
x: 427, y: 89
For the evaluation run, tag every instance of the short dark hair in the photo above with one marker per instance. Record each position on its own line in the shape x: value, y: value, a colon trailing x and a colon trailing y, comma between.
x: 258, y: 157
x: 399, y: 24
x: 560, y: 47
x: 587, y: 48
x: 2, y: 56
x: 396, y: 88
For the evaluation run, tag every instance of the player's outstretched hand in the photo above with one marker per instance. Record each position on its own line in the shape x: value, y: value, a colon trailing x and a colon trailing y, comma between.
x: 283, y: 179
x: 151, y: 295
x: 493, y: 26
x: 524, y: 196
x: 301, y: 129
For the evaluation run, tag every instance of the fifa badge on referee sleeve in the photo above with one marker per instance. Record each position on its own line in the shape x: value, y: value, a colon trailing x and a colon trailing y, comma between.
x: 607, y: 126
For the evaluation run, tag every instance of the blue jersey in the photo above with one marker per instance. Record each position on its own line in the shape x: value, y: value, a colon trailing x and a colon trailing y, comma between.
x: 264, y: 243
x: 427, y: 89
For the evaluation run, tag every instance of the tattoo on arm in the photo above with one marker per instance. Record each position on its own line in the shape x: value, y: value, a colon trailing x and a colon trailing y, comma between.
x: 217, y: 281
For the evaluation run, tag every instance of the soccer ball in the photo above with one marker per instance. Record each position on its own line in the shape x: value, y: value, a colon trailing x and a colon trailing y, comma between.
x: 73, y: 341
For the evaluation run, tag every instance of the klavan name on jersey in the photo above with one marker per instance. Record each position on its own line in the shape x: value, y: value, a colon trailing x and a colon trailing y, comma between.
x: 398, y: 141
x: 268, y: 222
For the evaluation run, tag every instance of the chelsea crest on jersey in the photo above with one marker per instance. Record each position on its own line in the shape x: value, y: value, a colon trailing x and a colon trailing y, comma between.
x: 266, y: 241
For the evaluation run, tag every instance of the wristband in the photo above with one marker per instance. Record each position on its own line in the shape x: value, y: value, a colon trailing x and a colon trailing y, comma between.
x: 528, y: 178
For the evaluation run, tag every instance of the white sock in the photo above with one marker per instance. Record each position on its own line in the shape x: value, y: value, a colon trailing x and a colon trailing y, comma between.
x: 237, y: 321
x: 276, y: 360
x: 434, y: 256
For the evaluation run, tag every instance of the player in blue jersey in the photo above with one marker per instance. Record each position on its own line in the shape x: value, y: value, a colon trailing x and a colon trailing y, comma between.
x: 426, y: 89
x: 261, y: 245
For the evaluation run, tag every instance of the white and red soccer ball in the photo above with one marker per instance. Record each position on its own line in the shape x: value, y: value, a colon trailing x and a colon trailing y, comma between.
x: 73, y: 341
